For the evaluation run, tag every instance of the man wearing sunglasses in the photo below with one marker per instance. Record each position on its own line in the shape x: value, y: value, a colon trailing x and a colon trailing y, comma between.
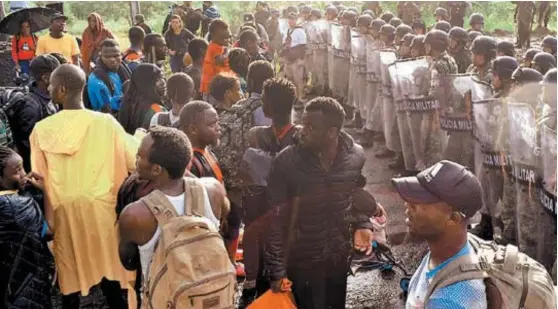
x: 439, y: 203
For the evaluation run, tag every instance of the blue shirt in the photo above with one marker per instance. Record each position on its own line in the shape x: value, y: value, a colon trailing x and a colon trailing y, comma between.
x: 99, y: 94
x: 469, y: 294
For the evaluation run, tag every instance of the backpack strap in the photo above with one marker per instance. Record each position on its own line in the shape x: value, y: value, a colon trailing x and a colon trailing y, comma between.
x: 160, y: 206
x: 194, y: 196
x: 466, y: 267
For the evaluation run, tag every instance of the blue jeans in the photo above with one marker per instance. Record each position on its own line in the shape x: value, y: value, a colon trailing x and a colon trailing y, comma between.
x: 25, y: 66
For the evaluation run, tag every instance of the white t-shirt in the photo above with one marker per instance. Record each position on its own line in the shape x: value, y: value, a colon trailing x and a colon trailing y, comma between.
x: 146, y: 251
x: 298, y: 37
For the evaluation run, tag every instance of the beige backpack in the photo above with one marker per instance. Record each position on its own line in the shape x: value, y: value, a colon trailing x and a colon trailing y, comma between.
x: 513, y: 279
x: 190, y: 268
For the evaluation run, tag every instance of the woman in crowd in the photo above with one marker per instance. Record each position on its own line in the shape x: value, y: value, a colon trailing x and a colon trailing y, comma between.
x: 23, y: 47
x: 92, y: 37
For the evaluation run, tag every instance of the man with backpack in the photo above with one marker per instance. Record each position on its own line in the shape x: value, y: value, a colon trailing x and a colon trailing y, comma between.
x: 24, y: 109
x: 161, y: 225
x: 461, y: 270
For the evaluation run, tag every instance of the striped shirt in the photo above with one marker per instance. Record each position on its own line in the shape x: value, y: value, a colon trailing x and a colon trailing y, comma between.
x: 469, y: 294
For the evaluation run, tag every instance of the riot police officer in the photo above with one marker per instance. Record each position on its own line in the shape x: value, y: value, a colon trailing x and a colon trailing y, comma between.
x: 472, y: 35
x: 476, y: 22
x: 400, y: 32
x: 417, y: 47
x: 441, y: 14
x: 483, y: 52
x: 543, y: 62
x: 548, y: 45
x: 528, y: 57
x: 505, y: 48
x: 443, y: 25
x: 457, y: 48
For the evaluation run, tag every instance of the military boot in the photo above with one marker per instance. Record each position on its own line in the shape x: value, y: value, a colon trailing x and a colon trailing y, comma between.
x: 398, y: 162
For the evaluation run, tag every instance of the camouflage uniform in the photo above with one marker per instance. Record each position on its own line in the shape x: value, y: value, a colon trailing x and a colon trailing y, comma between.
x: 500, y: 195
x: 463, y: 60
x: 485, y: 74
x: 524, y: 13
x: 443, y: 64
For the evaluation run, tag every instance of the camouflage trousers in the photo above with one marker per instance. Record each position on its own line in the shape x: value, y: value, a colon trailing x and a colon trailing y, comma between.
x: 427, y: 137
x: 460, y: 148
x: 492, y: 183
x: 319, y: 71
x: 406, y: 141
x: 509, y: 212
x: 391, y: 131
x: 523, y: 37
x: 294, y: 71
x: 374, y: 121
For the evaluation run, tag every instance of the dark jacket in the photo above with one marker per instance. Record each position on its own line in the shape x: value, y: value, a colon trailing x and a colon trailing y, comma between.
x: 26, y: 264
x: 322, y: 229
x: 35, y: 106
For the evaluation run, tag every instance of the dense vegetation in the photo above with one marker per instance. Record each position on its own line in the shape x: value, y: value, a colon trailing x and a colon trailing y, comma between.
x: 499, y: 15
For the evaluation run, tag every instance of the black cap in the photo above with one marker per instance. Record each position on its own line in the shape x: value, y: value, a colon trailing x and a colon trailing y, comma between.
x: 58, y: 15
x: 445, y: 181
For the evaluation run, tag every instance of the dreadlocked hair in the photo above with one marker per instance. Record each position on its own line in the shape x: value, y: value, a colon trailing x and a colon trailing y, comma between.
x: 258, y: 72
x: 280, y: 94
x: 239, y: 59
x: 171, y: 149
x: 5, y: 153
x: 139, y: 96
x: 180, y: 88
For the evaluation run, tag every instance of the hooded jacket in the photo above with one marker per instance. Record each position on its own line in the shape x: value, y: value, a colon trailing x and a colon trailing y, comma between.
x: 91, y: 41
x: 84, y: 157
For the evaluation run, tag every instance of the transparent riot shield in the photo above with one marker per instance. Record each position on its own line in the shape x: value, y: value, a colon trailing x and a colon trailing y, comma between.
x: 340, y: 60
x: 358, y: 72
x: 389, y: 115
x: 523, y: 150
x: 400, y: 86
x: 374, y: 121
x: 319, y: 48
x: 546, y: 188
x: 455, y: 96
x: 413, y: 77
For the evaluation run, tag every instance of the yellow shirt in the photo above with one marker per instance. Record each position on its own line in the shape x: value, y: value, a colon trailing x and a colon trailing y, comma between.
x: 84, y: 157
x: 66, y: 45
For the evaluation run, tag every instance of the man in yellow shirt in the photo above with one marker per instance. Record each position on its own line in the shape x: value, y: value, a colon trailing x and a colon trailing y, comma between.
x: 84, y: 157
x: 56, y: 41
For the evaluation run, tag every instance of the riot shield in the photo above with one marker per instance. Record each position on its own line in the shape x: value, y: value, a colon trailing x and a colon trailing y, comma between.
x: 399, y: 87
x: 455, y: 96
x: 391, y: 132
x: 311, y: 35
x: 547, y: 196
x: 374, y: 121
x: 340, y: 60
x: 413, y: 77
x: 319, y: 50
x: 490, y: 159
x: 357, y: 79
x: 523, y: 153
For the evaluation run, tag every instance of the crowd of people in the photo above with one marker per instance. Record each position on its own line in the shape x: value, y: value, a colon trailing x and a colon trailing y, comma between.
x: 119, y: 177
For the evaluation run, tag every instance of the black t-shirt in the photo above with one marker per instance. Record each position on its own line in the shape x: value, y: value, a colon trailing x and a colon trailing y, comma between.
x: 179, y: 42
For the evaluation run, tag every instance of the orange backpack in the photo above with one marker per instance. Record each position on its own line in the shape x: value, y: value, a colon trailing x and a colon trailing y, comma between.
x: 190, y: 268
